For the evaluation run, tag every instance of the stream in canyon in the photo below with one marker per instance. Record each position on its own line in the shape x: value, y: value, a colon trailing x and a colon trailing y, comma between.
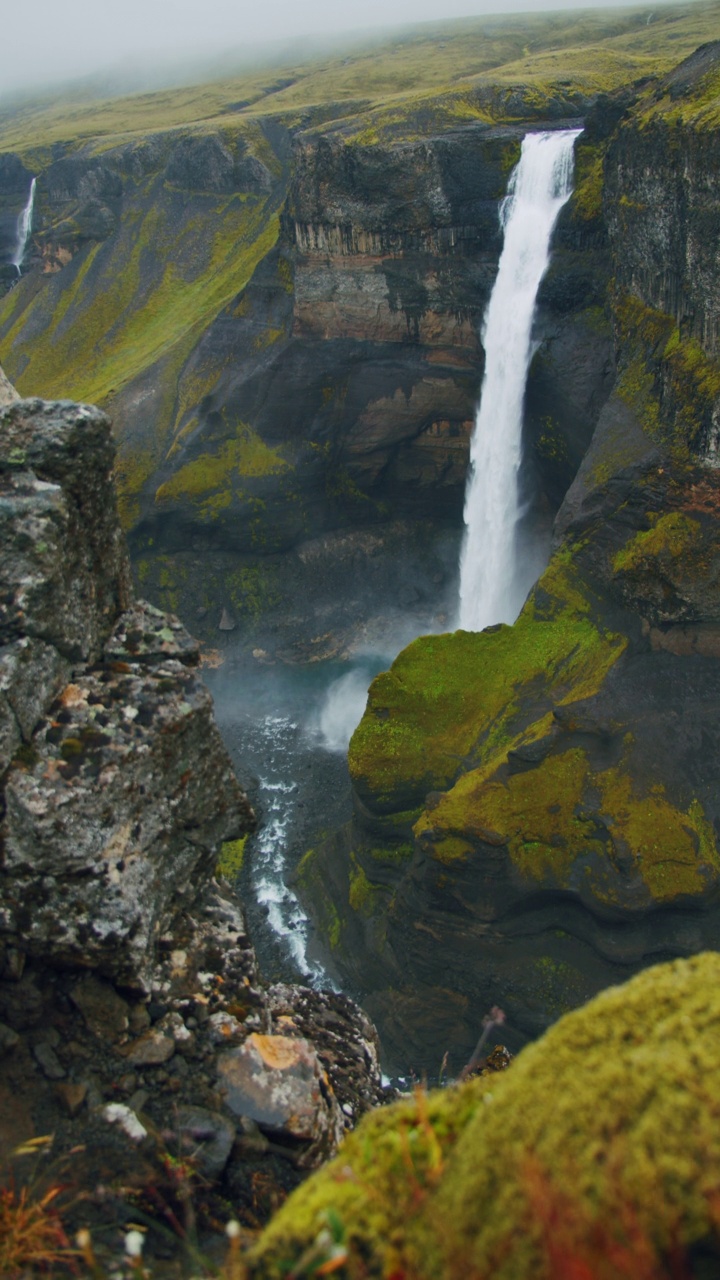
x: 288, y: 727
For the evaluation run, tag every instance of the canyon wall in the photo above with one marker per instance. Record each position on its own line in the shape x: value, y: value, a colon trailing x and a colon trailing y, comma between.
x: 293, y: 396
x: 536, y: 812
x: 286, y: 332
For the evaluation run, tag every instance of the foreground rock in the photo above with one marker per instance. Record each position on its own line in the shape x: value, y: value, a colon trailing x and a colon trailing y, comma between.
x: 595, y: 1151
x: 127, y: 979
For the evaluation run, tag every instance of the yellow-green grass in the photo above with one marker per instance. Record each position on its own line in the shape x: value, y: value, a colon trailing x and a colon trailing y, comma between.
x: 590, y: 49
x: 101, y: 336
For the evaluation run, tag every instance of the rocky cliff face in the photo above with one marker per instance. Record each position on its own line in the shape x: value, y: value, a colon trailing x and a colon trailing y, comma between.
x: 328, y: 391
x: 133, y: 1024
x: 536, y: 810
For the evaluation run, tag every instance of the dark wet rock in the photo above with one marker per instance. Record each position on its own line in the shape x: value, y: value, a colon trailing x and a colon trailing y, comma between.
x: 48, y: 1061
x: 21, y: 1003
x: 106, y: 1014
x: 13, y: 963
x: 138, y: 1019
x: 9, y: 1039
x: 151, y: 1050
x: 71, y: 1097
x: 203, y: 163
x: 205, y: 1137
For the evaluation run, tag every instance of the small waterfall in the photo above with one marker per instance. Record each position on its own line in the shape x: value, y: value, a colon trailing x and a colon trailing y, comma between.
x: 493, y: 585
x: 24, y: 228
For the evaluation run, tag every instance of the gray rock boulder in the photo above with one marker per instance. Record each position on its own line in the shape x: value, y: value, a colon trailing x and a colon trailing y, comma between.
x: 110, y: 829
x: 279, y: 1083
x: 64, y: 571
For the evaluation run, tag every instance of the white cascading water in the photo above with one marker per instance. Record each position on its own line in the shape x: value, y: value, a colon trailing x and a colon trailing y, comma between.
x: 24, y: 228
x: 493, y: 585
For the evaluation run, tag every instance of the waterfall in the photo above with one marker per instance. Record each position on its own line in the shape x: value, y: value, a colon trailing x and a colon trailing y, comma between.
x: 493, y: 585
x: 24, y: 227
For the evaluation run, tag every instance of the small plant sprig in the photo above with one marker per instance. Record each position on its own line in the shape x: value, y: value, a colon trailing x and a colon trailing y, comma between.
x: 31, y: 1232
x: 491, y: 1022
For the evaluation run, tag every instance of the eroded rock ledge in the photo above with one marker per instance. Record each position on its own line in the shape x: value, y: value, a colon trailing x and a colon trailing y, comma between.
x: 133, y: 1022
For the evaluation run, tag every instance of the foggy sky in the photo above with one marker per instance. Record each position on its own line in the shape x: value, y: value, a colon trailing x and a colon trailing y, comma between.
x: 48, y: 42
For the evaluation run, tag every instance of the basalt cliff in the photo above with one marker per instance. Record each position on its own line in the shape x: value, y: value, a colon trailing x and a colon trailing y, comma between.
x: 283, y: 314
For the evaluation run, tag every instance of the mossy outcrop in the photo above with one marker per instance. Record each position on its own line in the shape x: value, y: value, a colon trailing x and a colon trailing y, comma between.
x: 596, y: 1150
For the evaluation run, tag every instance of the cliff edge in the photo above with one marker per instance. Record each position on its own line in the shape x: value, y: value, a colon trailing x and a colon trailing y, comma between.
x: 133, y: 1022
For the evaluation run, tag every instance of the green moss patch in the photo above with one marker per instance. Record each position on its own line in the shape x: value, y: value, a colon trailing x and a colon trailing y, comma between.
x: 246, y: 456
x: 232, y: 856
x: 587, y: 199
x: 130, y: 300
x: 452, y: 702
x: 568, y: 826
x: 313, y: 888
x: 674, y: 536
x: 669, y: 382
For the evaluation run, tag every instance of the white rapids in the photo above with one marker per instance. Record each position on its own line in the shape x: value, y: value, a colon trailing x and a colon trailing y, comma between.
x: 285, y: 915
x: 493, y: 579
x: 24, y: 229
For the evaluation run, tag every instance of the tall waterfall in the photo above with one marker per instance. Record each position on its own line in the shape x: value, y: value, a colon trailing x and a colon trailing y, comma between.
x: 24, y: 227
x: 493, y: 585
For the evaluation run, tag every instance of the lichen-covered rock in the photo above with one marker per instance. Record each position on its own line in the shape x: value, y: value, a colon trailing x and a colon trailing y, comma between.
x: 64, y: 575
x: 128, y: 798
x: 32, y: 673
x: 145, y: 634
x: 345, y: 1039
x: 117, y: 794
x: 597, y: 1144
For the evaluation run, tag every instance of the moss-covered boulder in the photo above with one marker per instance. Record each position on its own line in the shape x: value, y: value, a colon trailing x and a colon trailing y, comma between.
x: 596, y: 1154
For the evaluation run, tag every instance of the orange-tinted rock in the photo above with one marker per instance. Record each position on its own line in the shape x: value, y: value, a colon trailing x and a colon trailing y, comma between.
x: 279, y: 1082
